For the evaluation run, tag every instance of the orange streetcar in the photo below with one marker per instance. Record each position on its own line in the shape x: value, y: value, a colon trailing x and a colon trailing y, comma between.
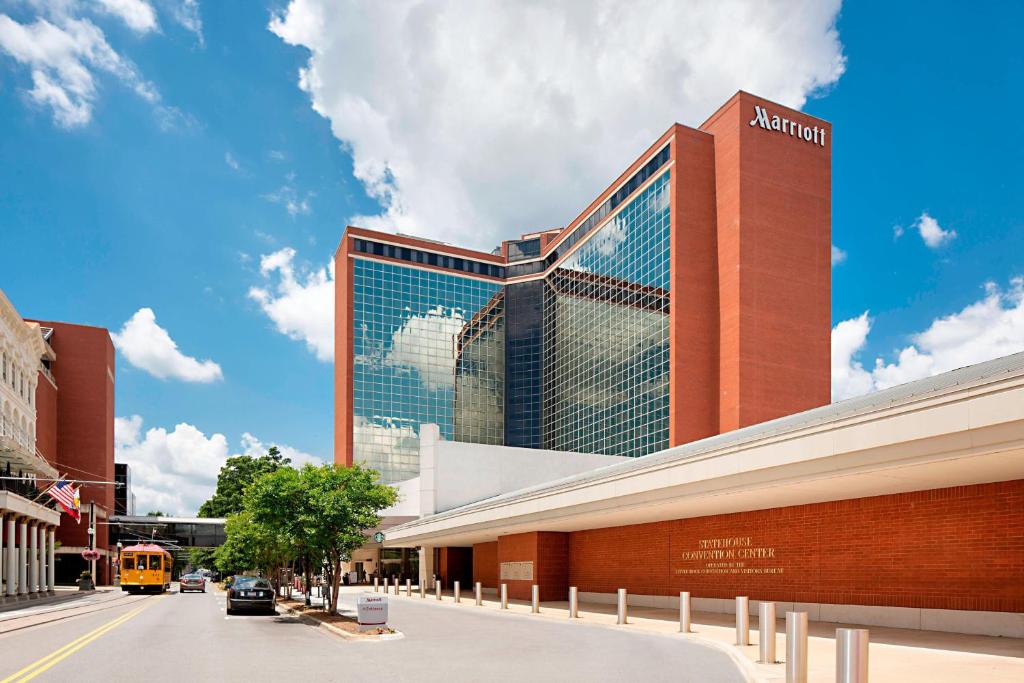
x: 145, y: 567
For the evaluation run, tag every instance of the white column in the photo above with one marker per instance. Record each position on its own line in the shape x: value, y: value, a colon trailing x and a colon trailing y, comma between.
x: 427, y: 566
x: 12, y: 559
x: 22, y: 557
x: 33, y: 557
x: 41, y: 576
x: 51, y: 567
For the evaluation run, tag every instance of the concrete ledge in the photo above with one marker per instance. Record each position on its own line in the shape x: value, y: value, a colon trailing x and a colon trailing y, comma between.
x: 1006, y: 624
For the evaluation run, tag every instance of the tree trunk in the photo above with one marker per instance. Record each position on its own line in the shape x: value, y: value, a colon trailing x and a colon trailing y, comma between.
x: 309, y: 582
x: 335, y: 582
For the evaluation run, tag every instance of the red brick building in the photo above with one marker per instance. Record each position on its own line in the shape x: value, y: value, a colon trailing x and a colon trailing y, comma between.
x: 683, y: 320
x: 75, y: 433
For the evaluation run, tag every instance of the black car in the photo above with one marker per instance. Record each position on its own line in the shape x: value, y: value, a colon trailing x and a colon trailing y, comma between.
x: 251, y: 592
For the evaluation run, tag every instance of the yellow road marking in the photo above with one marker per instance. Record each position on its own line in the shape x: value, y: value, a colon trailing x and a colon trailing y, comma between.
x: 38, y: 667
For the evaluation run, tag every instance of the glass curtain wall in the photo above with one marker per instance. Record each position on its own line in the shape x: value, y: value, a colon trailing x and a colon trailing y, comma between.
x: 606, y: 326
x: 420, y: 338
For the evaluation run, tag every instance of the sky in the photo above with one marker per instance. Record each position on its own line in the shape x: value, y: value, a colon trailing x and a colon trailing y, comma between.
x: 181, y: 171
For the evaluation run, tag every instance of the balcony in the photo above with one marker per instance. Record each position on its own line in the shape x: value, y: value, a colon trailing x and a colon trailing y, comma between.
x: 19, y: 455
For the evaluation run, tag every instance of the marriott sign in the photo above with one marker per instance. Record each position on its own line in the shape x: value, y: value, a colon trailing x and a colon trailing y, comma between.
x: 775, y: 122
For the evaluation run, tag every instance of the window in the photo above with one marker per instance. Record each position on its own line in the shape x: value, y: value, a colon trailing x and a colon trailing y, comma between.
x: 141, y: 562
x: 154, y: 562
x: 128, y: 563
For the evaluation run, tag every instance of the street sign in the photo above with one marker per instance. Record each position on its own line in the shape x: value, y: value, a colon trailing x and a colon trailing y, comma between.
x: 371, y: 611
x: 379, y: 537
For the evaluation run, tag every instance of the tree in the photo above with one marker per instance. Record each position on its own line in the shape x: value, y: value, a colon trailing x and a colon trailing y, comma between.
x: 325, y: 510
x: 235, y: 476
x: 155, y: 513
x: 204, y: 558
x: 250, y: 545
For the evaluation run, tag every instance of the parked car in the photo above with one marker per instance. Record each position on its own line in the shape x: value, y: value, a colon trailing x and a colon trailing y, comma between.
x: 192, y: 582
x: 251, y: 592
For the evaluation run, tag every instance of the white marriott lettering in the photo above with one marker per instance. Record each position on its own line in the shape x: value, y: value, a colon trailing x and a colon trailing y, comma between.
x: 775, y: 122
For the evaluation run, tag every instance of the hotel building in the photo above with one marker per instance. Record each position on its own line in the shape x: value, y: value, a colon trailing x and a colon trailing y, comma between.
x: 640, y: 400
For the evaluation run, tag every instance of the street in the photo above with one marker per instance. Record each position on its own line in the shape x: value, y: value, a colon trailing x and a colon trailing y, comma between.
x: 176, y: 637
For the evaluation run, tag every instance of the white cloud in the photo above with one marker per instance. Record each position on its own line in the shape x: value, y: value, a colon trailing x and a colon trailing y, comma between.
x: 172, y: 471
x: 176, y: 471
x: 138, y: 15
x: 301, y: 304
x: 63, y: 53
x: 989, y: 328
x: 446, y: 105
x: 148, y: 346
x: 294, y: 202
x: 253, y: 446
x: 230, y: 160
x: 186, y: 14
x: 838, y: 255
x: 932, y: 233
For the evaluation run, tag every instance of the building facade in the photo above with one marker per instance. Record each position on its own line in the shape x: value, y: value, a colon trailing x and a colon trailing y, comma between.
x: 27, y: 526
x: 691, y: 298
x: 76, y: 403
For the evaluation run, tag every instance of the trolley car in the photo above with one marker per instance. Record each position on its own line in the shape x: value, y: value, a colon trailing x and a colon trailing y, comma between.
x: 145, y: 567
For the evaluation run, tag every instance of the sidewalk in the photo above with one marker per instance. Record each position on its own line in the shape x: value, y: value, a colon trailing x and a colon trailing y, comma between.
x: 896, y: 655
x: 62, y: 594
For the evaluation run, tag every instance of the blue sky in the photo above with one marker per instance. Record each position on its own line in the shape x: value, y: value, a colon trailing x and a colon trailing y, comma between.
x: 206, y: 139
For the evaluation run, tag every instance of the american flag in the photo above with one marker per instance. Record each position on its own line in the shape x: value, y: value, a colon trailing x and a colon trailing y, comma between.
x: 67, y: 495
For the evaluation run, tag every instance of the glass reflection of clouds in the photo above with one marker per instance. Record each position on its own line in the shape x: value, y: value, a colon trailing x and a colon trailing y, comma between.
x: 607, y: 335
x: 421, y: 339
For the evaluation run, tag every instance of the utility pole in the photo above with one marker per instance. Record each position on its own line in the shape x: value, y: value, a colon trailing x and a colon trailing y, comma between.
x: 92, y: 541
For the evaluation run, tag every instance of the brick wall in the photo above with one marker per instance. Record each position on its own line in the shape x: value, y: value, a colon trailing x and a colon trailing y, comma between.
x: 46, y: 418
x: 485, y: 564
x: 953, y: 548
x: 84, y: 371
x: 549, y: 552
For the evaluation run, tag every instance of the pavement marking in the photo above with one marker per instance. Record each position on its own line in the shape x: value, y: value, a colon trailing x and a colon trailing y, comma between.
x: 41, y: 665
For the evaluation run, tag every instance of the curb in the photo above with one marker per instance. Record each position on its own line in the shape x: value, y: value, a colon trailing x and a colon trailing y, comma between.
x: 397, y: 635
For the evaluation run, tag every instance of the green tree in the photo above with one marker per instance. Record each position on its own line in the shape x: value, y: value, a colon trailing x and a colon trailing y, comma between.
x: 235, y: 476
x: 324, y: 510
x: 202, y: 558
x: 250, y: 545
x: 155, y: 513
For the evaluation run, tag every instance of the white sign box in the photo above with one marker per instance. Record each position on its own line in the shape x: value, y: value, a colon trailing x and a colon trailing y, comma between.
x: 517, y: 571
x: 372, y: 610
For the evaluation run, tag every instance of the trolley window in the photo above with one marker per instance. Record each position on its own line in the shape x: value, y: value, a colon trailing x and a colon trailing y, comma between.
x: 154, y: 561
x: 128, y: 563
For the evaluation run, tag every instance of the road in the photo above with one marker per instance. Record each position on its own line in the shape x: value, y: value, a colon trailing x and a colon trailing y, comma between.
x: 189, y: 638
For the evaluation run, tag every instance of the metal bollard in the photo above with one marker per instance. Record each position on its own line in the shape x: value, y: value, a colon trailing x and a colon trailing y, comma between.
x: 574, y: 603
x: 375, y: 585
x: 796, y: 647
x: 479, y: 594
x: 396, y: 585
x: 742, y: 620
x: 766, y: 626
x: 684, y: 612
x: 437, y: 589
x: 423, y: 589
x: 456, y: 591
x: 535, y: 599
x: 620, y: 613
x: 408, y: 588
x: 504, y: 596
x: 851, y: 655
